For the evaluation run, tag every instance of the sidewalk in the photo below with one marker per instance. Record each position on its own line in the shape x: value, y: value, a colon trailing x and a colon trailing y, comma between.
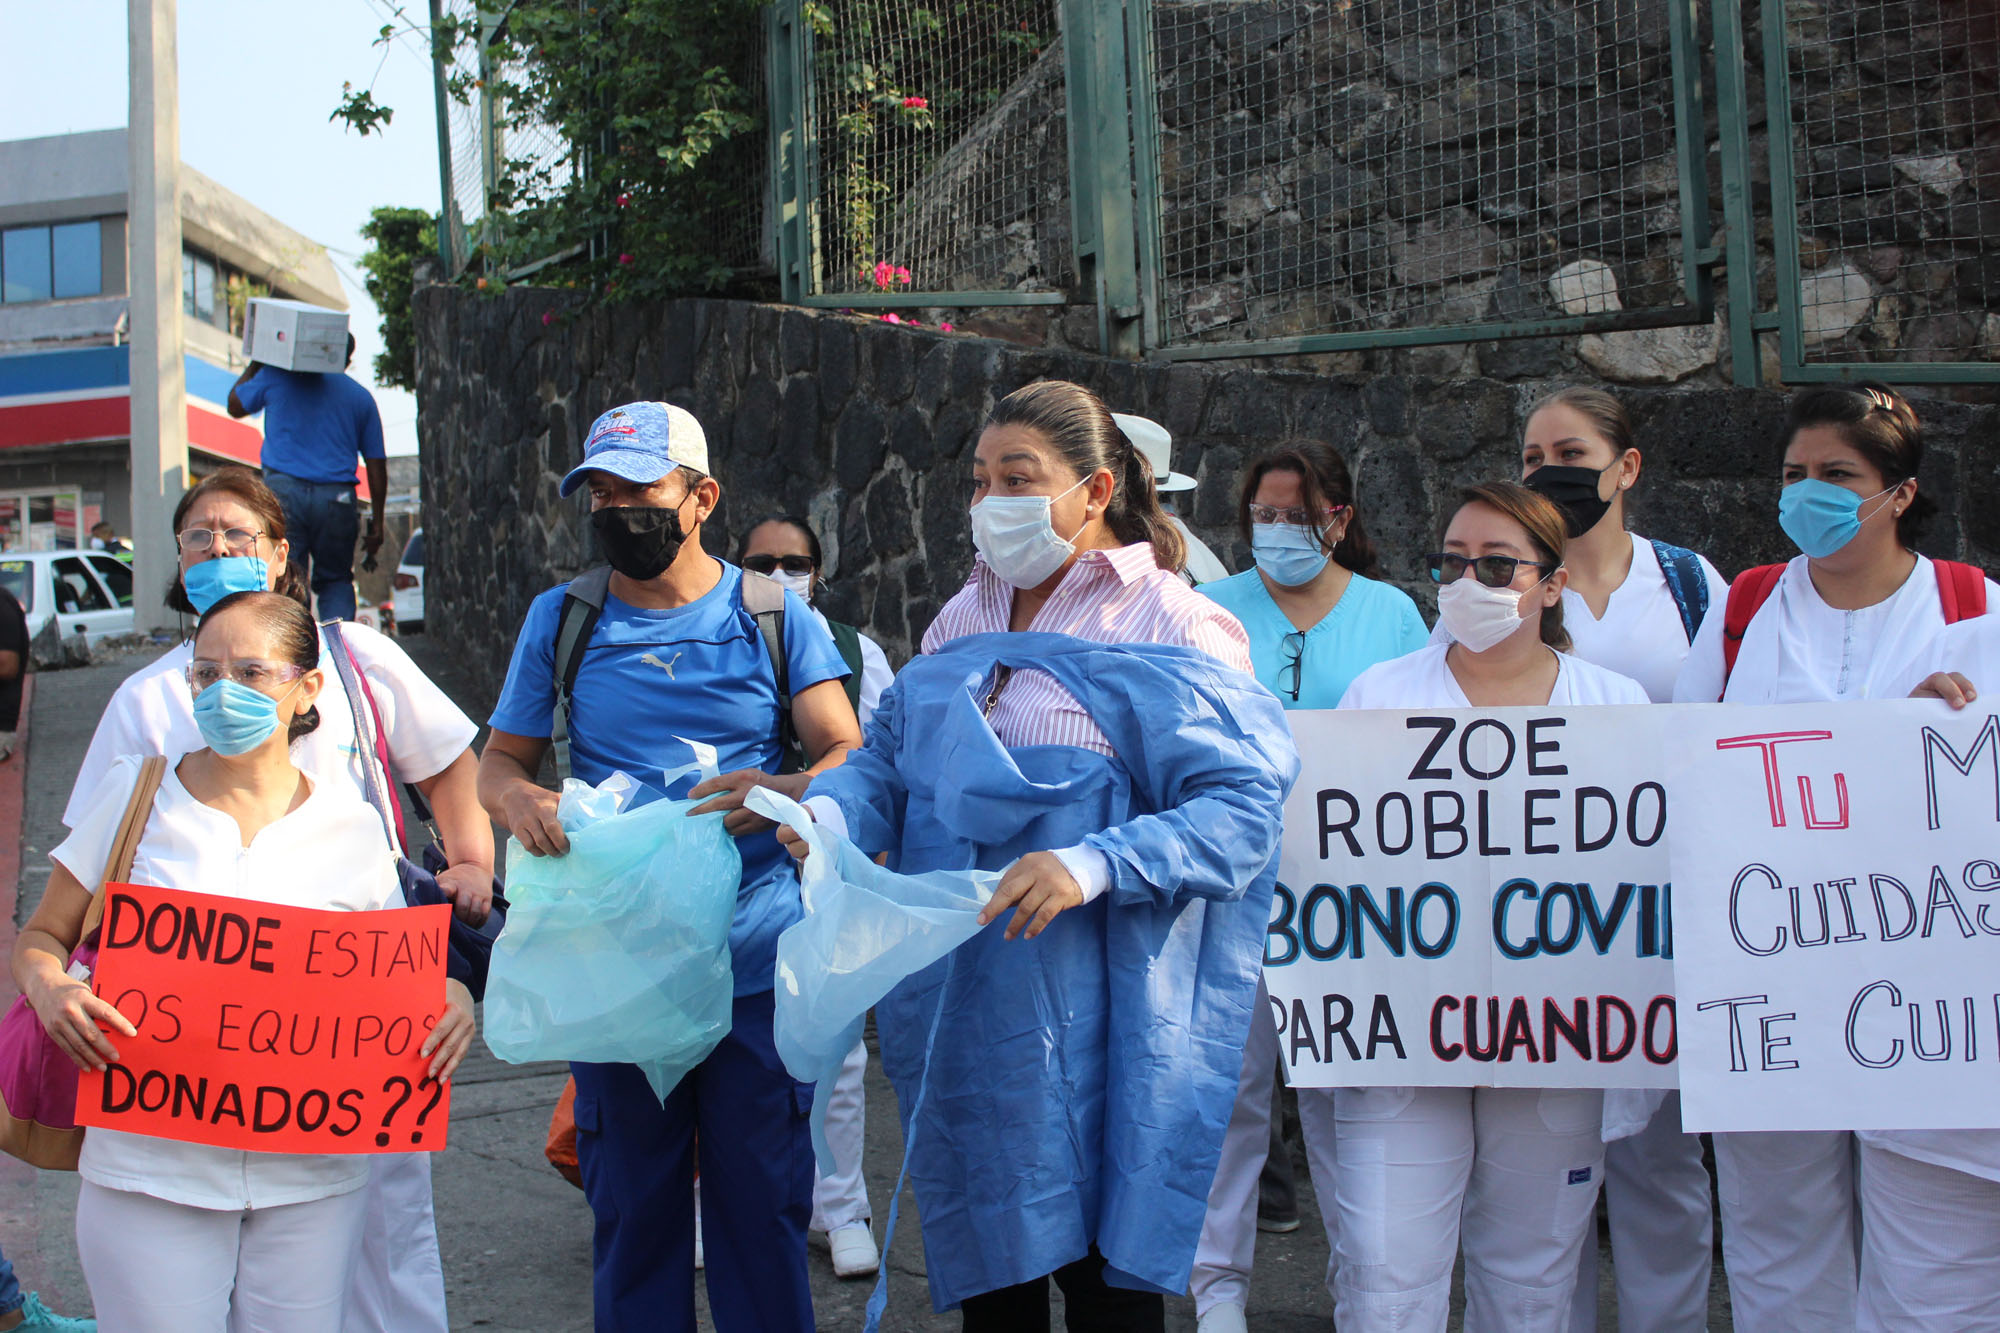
x: 515, y: 1236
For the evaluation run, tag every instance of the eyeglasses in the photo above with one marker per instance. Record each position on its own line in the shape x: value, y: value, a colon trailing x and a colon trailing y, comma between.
x: 766, y: 564
x: 1293, y: 646
x: 195, y: 541
x: 1295, y: 515
x: 1495, y: 571
x: 258, y: 675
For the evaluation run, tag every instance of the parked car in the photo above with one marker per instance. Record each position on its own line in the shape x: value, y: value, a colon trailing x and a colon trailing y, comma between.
x: 89, y: 592
x: 408, y: 585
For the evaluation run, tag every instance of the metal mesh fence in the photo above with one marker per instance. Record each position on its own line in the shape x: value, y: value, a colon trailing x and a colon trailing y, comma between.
x: 1331, y: 166
x: 1895, y: 141
x: 939, y: 157
x: 465, y: 195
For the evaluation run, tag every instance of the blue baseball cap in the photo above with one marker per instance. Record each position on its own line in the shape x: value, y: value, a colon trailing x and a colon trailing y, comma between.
x: 641, y: 442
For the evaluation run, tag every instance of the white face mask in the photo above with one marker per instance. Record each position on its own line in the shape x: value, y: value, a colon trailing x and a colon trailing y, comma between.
x: 1017, y: 537
x: 1478, y: 616
x: 802, y: 584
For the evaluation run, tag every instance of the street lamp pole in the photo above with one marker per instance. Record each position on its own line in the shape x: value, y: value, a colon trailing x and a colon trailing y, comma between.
x: 159, y: 377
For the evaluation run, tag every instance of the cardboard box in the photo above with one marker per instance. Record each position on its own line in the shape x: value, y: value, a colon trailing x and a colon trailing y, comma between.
x: 292, y: 335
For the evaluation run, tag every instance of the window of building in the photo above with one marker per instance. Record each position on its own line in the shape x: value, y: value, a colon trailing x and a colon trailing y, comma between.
x: 51, y: 263
x: 198, y: 286
x: 77, y: 259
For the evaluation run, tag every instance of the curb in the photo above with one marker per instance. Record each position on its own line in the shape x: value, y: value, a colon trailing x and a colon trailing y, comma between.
x: 19, y: 1232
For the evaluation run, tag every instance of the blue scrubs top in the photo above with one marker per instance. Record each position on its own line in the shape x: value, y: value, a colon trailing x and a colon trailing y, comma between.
x: 1372, y: 622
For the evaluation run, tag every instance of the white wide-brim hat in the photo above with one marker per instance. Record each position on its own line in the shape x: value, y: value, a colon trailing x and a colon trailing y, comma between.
x: 1156, y: 446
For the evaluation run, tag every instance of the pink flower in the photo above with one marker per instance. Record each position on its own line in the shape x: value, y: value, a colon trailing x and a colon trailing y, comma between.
x: 548, y: 318
x: 914, y: 103
x: 883, y: 275
x: 945, y: 328
x: 624, y: 199
x: 903, y: 276
x: 893, y: 317
x: 624, y: 259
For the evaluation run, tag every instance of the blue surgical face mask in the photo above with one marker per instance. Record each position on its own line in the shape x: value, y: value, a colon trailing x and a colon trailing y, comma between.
x: 212, y: 580
x: 235, y: 718
x: 1821, y: 517
x: 1289, y: 554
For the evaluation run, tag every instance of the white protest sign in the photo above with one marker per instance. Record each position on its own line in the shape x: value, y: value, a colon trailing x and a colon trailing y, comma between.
x: 1838, y: 915
x: 1475, y: 898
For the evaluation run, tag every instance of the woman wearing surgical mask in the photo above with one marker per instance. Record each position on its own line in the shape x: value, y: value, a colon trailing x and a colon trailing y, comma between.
x: 231, y: 532
x: 1841, y: 621
x: 1084, y: 723
x: 178, y: 1237
x: 786, y: 548
x: 1315, y: 621
x: 1424, y: 1170
x: 1631, y: 605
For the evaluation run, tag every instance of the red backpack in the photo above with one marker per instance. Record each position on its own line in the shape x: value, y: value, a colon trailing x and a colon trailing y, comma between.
x: 1961, y: 595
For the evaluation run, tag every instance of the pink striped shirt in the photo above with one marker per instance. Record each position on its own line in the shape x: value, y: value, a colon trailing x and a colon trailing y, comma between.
x: 1108, y: 596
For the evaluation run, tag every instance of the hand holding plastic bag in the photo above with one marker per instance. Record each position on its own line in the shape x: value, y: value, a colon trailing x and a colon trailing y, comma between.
x: 865, y: 929
x: 618, y: 952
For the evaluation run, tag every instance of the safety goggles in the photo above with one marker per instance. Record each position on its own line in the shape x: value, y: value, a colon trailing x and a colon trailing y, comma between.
x: 1294, y: 515
x: 258, y: 675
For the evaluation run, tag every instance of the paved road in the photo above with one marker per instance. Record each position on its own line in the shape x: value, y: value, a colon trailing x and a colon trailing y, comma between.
x: 515, y: 1236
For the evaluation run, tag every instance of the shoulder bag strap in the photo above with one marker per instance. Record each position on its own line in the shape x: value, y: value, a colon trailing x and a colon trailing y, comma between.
x: 764, y: 599
x: 1747, y: 596
x: 582, y: 605
x: 367, y: 733
x: 1682, y: 569
x: 125, y: 847
x: 1961, y: 590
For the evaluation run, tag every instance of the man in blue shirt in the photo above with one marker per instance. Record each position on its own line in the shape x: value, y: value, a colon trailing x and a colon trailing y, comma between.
x: 675, y: 657
x: 314, y: 429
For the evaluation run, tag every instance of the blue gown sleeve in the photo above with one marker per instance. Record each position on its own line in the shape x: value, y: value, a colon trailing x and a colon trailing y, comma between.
x: 870, y: 792
x: 1218, y: 783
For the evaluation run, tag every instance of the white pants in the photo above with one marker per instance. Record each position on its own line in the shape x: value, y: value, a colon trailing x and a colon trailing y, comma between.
x: 1513, y: 1172
x: 841, y: 1199
x: 1319, y: 1124
x: 1662, y: 1231
x: 1930, y: 1247
x: 159, y: 1267
x: 1228, y: 1244
x: 1788, y: 1229
x: 398, y: 1282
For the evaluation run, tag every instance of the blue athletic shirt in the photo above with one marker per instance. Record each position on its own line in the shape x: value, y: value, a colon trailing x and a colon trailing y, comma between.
x: 315, y: 426
x: 698, y: 671
x: 1372, y: 622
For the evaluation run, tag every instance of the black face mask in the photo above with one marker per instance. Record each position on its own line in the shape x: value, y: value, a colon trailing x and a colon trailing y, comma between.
x: 638, y: 543
x: 1574, y: 491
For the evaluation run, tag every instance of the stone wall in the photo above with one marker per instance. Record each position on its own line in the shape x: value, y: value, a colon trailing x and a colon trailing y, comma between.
x: 867, y: 428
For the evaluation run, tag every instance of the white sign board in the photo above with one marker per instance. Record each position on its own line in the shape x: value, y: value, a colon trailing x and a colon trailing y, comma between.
x: 1837, y: 915
x: 1475, y: 898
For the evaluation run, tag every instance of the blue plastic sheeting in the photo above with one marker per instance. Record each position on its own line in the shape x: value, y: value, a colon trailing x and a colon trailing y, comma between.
x: 618, y: 951
x: 865, y: 929
x: 1080, y: 1082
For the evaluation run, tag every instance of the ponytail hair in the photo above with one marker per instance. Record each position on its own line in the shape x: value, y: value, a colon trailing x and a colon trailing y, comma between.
x: 1547, y: 532
x: 1324, y: 483
x: 1078, y: 426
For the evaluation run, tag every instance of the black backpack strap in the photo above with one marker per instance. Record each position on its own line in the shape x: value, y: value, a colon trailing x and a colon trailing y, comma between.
x: 582, y: 604
x: 1686, y: 582
x: 764, y: 599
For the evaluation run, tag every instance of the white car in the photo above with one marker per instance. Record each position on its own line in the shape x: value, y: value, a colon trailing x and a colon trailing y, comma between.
x: 88, y: 592
x: 408, y: 596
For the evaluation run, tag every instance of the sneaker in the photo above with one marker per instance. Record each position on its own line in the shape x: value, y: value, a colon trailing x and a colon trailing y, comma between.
x: 1277, y: 1226
x: 1224, y: 1318
x: 38, y: 1318
x: 854, y: 1252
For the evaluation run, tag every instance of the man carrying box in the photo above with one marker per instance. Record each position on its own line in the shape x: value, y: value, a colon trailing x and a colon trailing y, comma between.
x: 315, y: 427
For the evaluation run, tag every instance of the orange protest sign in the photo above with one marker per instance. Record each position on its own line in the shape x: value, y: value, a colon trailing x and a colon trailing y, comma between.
x: 271, y: 1028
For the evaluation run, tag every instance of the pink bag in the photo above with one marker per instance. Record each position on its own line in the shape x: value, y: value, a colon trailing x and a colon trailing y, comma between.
x: 37, y: 1080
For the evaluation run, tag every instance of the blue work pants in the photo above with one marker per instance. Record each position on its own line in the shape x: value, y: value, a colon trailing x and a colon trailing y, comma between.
x: 11, y: 1298
x: 323, y: 523
x: 638, y: 1157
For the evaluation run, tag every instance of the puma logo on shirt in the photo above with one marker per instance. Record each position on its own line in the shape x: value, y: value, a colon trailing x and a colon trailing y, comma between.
x: 667, y: 667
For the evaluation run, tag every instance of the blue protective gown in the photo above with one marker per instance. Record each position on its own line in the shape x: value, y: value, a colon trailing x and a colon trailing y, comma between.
x: 1081, y: 1081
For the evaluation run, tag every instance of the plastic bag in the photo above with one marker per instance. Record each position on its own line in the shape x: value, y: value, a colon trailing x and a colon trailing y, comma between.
x: 865, y: 929
x: 618, y: 951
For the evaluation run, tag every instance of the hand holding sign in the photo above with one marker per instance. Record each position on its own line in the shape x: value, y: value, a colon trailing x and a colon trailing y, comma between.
x: 272, y: 1028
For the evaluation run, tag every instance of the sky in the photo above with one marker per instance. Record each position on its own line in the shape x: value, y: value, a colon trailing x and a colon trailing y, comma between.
x: 257, y: 80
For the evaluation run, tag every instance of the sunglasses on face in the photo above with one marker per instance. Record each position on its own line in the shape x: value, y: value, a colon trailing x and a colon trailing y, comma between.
x: 1495, y: 571
x: 768, y: 564
x: 195, y: 541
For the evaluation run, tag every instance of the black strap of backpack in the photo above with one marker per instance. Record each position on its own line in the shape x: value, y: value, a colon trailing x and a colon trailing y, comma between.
x: 582, y: 605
